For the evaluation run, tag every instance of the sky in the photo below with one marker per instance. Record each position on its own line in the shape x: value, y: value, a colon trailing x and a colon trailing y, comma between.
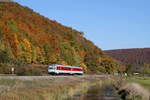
x: 110, y: 24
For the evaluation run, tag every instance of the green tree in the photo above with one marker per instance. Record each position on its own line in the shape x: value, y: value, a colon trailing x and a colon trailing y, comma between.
x: 4, y: 56
x: 69, y: 54
x: 128, y: 69
x: 111, y: 66
x: 1, y: 33
x: 146, y: 69
x: 13, y: 26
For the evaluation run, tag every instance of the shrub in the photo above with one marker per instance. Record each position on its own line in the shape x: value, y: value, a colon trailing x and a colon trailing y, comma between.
x: 31, y: 70
x: 5, y: 68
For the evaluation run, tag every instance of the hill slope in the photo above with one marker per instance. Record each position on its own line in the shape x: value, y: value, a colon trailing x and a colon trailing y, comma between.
x: 133, y: 57
x: 28, y: 37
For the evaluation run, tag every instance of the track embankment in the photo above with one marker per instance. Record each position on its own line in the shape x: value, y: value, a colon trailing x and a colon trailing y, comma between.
x: 55, y: 77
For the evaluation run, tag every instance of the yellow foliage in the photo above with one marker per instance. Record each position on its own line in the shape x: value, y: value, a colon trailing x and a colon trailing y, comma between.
x: 28, y: 57
x: 27, y: 45
x: 15, y: 45
x: 16, y: 39
x: 82, y: 53
x: 63, y: 63
x: 40, y: 52
x: 84, y: 67
x: 53, y: 58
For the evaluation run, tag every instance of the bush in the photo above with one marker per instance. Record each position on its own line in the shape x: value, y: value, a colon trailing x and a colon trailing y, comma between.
x: 31, y: 70
x: 5, y: 68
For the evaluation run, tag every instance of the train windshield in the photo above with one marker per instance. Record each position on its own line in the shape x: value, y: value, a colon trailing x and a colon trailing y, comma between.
x: 51, y: 66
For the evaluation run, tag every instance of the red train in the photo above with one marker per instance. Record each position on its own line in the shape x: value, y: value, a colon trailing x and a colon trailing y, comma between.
x: 63, y: 69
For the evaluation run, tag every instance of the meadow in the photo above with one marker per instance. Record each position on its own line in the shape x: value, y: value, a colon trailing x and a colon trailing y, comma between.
x: 45, y: 88
x: 143, y: 81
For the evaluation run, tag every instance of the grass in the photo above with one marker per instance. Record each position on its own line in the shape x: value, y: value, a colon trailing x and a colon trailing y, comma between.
x: 143, y: 81
x: 134, y: 87
x: 45, y: 89
x: 138, y: 87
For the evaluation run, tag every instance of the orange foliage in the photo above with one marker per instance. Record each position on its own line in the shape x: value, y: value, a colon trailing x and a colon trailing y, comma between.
x: 31, y: 32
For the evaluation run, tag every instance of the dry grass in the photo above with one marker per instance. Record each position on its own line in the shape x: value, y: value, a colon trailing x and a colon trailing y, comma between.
x: 47, y: 88
x: 137, y: 91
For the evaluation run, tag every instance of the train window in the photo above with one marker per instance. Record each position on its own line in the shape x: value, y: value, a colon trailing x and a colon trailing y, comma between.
x: 51, y: 68
x: 58, y: 68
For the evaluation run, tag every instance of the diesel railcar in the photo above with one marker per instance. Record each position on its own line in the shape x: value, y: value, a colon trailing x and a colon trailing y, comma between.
x: 56, y: 69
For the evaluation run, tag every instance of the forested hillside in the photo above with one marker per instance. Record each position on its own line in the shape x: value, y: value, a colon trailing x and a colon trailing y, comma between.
x: 136, y: 58
x: 28, y: 38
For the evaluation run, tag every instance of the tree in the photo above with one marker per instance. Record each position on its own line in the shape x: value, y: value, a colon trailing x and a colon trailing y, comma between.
x: 69, y: 54
x: 4, y: 56
x: 40, y: 53
x: 146, y: 69
x: 111, y: 66
x: 13, y: 26
x: 81, y: 33
x: 128, y: 69
x: 1, y: 33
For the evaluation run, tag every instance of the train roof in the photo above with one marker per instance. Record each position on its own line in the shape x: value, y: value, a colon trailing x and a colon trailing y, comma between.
x: 62, y: 65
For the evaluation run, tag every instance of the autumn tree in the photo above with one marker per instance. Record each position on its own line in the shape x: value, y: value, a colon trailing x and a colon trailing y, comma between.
x: 32, y: 38
x: 146, y: 69
x: 128, y: 69
x: 4, y: 57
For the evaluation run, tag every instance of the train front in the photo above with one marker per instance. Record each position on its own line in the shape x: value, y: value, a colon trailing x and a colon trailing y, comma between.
x: 52, y: 69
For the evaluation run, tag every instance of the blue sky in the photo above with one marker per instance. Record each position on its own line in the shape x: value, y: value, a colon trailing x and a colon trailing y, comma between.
x: 110, y: 24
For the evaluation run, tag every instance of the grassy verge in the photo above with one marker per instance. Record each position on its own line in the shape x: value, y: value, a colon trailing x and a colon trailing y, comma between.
x: 143, y: 81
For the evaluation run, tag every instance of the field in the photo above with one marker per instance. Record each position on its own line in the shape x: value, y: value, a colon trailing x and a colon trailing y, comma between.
x: 45, y: 87
x: 62, y: 87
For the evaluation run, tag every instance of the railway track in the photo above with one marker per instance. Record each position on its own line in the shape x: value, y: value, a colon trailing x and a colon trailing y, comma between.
x: 53, y: 77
